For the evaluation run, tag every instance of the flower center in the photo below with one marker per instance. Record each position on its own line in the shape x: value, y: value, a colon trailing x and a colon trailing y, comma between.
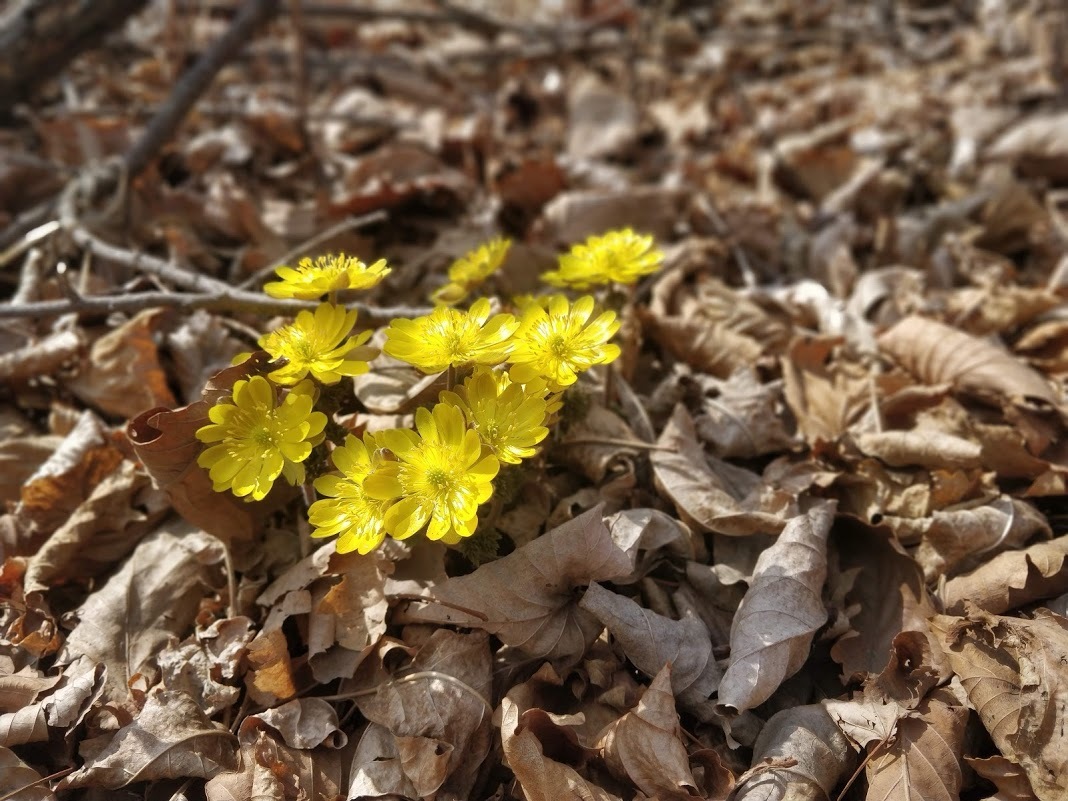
x: 558, y: 345
x: 439, y: 478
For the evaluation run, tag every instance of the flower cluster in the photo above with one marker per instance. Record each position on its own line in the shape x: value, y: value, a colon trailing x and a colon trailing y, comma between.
x: 435, y: 476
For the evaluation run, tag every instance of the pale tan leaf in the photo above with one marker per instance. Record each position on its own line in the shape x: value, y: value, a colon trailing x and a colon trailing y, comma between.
x: 200, y: 665
x: 925, y: 448
x: 713, y: 494
x: 962, y: 536
x: 808, y: 736
x: 780, y: 613
x: 825, y: 394
x: 602, y: 119
x: 20, y: 782
x: 924, y: 761
x: 541, y: 778
x: 153, y: 597
x: 1038, y: 145
x: 305, y: 723
x: 938, y: 354
x: 1015, y: 673
x: 864, y: 721
x: 645, y: 535
x: 742, y: 418
x: 26, y: 725
x: 652, y: 641
x: 645, y: 745
x: 171, y: 738
x: 1012, y: 579
x: 19, y: 459
x: 1006, y: 775
x: 528, y: 597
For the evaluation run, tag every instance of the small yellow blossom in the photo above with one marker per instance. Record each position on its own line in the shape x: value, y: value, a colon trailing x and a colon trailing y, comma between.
x: 509, y: 421
x: 561, y: 341
x: 310, y: 280
x: 259, y: 439
x: 621, y: 256
x: 348, y: 511
x: 451, y: 337
x: 472, y: 269
x: 441, y: 480
x: 319, y: 343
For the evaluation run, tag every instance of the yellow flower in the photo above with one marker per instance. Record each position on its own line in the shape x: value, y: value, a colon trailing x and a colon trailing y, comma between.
x: 258, y: 440
x: 621, y: 256
x: 559, y: 342
x: 451, y: 337
x: 441, y: 480
x: 316, y: 343
x: 508, y: 420
x: 313, y: 279
x: 347, y: 510
x: 471, y: 270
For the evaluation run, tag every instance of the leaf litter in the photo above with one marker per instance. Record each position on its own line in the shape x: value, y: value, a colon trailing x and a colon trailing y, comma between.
x: 808, y: 542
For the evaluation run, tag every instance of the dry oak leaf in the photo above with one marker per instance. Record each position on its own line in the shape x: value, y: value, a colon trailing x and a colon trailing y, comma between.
x: 652, y: 641
x: 1016, y: 674
x: 780, y: 613
x: 541, y: 778
x: 938, y: 354
x: 713, y: 494
x: 924, y: 761
x: 1012, y: 579
x: 153, y: 598
x: 527, y: 598
x: 645, y: 745
x: 821, y: 752
x: 170, y: 739
x: 1006, y: 775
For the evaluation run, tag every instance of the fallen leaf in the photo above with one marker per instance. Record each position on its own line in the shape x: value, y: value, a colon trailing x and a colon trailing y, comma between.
x: 821, y: 753
x: 938, y: 354
x: 602, y: 119
x: 1006, y: 775
x: 20, y: 782
x: 710, y: 493
x: 645, y: 745
x: 305, y: 723
x: 270, y: 678
x: 1014, y: 673
x: 742, y: 418
x: 825, y: 394
x: 527, y: 598
x: 780, y: 613
x: 171, y: 738
x: 1012, y: 579
x: 652, y: 641
x: 933, y: 449
x: 1037, y: 145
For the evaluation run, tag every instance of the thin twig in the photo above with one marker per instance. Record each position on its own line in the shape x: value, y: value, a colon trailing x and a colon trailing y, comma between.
x: 59, y: 774
x: 418, y: 676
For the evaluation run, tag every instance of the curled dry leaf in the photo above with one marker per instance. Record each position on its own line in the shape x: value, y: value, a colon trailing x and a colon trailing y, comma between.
x: 742, y: 418
x: 780, y: 613
x: 1015, y: 673
x: 962, y: 535
x: 152, y: 598
x: 644, y: 534
x: 713, y: 494
x: 888, y: 599
x: 652, y: 641
x: 122, y: 375
x: 541, y: 778
x: 602, y: 120
x: 527, y: 598
x: 443, y: 701
x: 822, y: 755
x: 1006, y: 775
x: 205, y: 666
x: 19, y: 459
x: 645, y: 745
x: 825, y: 395
x: 171, y: 738
x: 101, y: 531
x: 381, y: 770
x: 270, y: 677
x: 1037, y: 145
x: 1012, y: 579
x: 938, y: 354
x: 933, y: 449
x: 20, y: 782
x: 305, y: 723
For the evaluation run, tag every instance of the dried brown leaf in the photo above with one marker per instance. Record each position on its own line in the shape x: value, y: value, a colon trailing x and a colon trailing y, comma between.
x: 825, y: 394
x: 938, y: 354
x: 1014, y: 671
x: 1037, y: 145
x: 1012, y: 579
x: 387, y: 766
x: 645, y: 745
x: 742, y: 418
x: 270, y: 678
x: 541, y: 778
x: 934, y: 449
x: 652, y: 641
x: 153, y: 597
x: 780, y: 613
x: 19, y: 459
x: 924, y: 761
x: 205, y: 666
x: 1006, y: 775
x: 602, y: 119
x: 170, y: 739
x: 822, y: 757
x: 711, y: 493
x: 305, y: 723
x: 20, y: 782
x: 528, y: 599
x: 122, y: 375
